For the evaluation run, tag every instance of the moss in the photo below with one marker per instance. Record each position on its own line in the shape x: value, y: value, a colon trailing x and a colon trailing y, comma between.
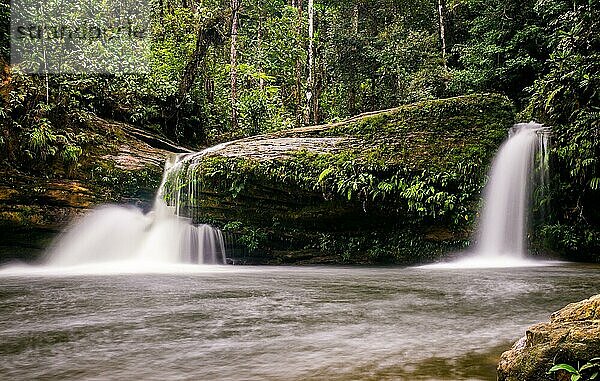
x: 373, y: 196
x: 572, y: 336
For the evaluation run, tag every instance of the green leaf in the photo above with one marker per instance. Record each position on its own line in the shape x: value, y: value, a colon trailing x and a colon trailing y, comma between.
x: 552, y: 95
x: 324, y: 174
x: 588, y: 365
x: 566, y: 367
x: 575, y: 377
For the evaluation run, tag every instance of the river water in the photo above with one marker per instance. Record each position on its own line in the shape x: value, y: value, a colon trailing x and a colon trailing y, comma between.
x: 275, y: 323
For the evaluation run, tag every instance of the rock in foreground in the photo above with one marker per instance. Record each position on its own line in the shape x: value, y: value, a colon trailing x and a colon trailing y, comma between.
x: 571, y: 336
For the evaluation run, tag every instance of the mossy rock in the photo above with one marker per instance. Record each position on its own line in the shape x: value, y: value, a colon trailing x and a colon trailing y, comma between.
x: 571, y: 337
x: 395, y: 186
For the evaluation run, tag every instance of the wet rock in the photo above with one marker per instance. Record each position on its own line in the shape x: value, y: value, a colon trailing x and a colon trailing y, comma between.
x: 122, y: 165
x: 572, y: 336
x: 394, y: 186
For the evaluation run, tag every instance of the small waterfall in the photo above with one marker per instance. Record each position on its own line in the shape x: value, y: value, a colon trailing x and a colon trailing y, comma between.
x: 178, y: 188
x: 126, y: 235
x: 520, y: 164
x: 504, y: 218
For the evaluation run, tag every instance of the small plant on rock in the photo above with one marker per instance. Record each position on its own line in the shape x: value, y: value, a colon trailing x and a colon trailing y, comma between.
x: 588, y: 371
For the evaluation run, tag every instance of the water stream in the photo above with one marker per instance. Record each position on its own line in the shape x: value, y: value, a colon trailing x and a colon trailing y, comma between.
x: 120, y: 238
x: 278, y: 323
x: 503, y: 226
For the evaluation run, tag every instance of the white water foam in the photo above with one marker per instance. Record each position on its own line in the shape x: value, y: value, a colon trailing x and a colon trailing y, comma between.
x: 117, y: 233
x: 475, y: 261
x: 120, y: 239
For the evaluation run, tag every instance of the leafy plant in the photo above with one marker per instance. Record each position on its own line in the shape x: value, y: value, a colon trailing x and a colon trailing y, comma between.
x: 585, y: 372
x: 252, y: 238
x: 42, y: 139
x: 71, y: 154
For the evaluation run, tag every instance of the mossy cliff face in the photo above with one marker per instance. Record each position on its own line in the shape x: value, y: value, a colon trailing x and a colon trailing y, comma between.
x: 572, y: 336
x: 396, y: 186
x: 117, y: 164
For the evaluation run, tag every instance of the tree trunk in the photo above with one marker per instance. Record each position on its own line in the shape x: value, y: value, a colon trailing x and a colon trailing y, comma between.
x: 209, y: 88
x: 355, y: 17
x: 261, y: 81
x: 318, y: 88
x: 235, y: 8
x: 441, y: 12
x: 311, y: 64
x: 298, y: 90
x: 207, y: 35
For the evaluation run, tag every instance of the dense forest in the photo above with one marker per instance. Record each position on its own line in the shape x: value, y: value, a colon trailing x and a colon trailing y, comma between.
x: 221, y: 70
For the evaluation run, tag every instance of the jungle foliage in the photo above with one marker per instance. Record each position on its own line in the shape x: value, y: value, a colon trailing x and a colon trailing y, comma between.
x: 362, y: 56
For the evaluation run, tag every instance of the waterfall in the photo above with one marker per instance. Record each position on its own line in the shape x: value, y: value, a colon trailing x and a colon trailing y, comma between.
x: 126, y: 235
x: 504, y: 218
x: 179, y: 188
x: 520, y: 164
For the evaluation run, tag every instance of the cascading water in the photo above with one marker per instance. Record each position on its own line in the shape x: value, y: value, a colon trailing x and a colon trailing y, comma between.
x: 179, y: 187
x: 504, y: 218
x: 520, y: 162
x: 125, y: 235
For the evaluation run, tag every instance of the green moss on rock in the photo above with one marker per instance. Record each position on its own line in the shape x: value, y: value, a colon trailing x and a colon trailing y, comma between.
x: 571, y: 337
x: 368, y: 190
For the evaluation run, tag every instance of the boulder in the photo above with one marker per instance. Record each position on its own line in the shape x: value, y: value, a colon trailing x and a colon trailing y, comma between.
x: 571, y: 337
x: 393, y: 186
